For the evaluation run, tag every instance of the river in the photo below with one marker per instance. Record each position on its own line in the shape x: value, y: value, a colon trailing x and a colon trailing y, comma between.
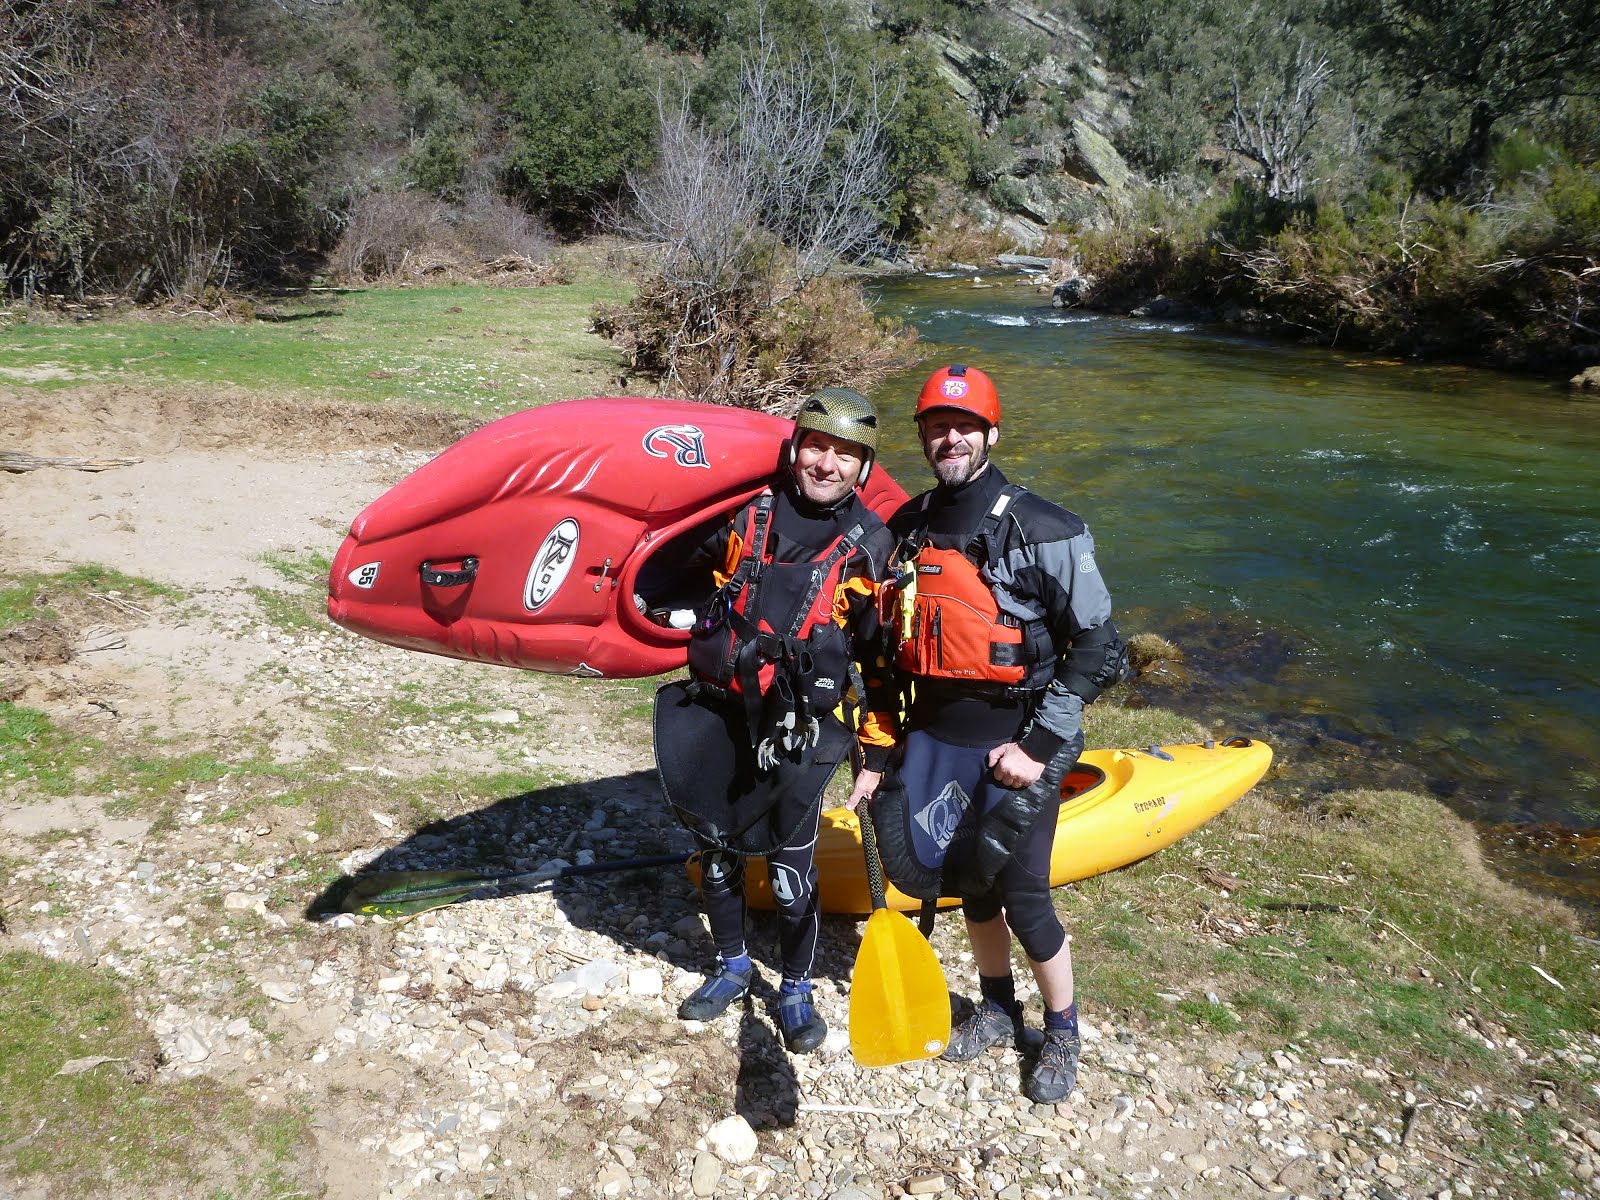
x: 1388, y: 564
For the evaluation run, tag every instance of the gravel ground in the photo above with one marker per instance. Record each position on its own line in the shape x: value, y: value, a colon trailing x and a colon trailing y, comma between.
x: 526, y: 1044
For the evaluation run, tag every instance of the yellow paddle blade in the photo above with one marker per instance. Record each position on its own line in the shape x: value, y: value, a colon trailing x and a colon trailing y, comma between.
x: 899, y: 1006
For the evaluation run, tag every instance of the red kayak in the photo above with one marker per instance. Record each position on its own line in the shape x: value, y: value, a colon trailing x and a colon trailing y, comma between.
x: 546, y: 539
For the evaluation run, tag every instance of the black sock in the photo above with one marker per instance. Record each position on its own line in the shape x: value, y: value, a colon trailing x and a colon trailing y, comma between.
x: 1066, y: 1019
x: 999, y: 989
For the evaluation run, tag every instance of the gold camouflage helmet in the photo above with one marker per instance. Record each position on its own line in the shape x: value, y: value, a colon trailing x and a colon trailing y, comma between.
x: 842, y: 413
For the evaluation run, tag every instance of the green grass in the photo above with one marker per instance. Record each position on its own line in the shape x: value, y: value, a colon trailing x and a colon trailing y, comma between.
x: 28, y: 595
x: 1109, y: 726
x: 1366, y: 927
x: 118, y: 1127
x: 301, y: 607
x: 301, y: 570
x: 34, y: 747
x: 59, y: 762
x: 467, y: 349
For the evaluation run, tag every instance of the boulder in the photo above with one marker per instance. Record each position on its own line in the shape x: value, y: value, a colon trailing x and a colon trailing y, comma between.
x: 1070, y: 293
x: 1025, y: 261
x: 1021, y: 231
x: 1587, y: 380
x: 1093, y: 157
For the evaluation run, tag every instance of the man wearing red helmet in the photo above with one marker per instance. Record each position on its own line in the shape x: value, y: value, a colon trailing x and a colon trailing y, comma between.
x: 1002, y: 629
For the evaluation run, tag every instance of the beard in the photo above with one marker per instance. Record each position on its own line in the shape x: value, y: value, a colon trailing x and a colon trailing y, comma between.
x: 953, y: 472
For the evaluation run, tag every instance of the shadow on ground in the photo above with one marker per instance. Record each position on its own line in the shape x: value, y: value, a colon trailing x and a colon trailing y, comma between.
x: 615, y: 832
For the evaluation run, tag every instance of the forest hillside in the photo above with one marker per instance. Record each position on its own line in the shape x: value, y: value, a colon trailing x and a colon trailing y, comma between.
x: 1407, y: 175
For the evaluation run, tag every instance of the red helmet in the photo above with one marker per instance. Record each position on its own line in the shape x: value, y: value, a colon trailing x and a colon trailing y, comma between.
x: 966, y: 388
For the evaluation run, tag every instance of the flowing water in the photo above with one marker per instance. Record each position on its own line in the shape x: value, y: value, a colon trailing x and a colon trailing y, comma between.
x: 1391, y: 567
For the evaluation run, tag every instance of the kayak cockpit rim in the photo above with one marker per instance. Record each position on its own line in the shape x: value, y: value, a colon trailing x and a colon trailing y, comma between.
x: 650, y: 586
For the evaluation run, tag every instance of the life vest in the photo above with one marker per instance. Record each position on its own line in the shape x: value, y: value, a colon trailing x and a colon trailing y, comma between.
x: 949, y: 627
x: 769, y: 635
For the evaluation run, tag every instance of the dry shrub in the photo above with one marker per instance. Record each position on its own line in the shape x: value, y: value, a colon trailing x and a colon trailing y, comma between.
x: 401, y: 237
x: 382, y: 232
x: 493, y: 229
x: 963, y: 239
x: 740, y: 352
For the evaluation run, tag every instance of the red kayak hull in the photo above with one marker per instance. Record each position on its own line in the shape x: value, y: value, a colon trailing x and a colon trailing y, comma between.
x: 522, y: 544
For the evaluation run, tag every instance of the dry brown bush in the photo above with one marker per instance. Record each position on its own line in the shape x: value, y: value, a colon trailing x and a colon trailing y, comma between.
x: 753, y: 355
x: 406, y: 237
x: 963, y: 239
x: 383, y: 230
x: 493, y: 228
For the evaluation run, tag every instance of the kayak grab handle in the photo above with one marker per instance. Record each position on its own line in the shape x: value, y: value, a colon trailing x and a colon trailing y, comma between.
x: 466, y: 573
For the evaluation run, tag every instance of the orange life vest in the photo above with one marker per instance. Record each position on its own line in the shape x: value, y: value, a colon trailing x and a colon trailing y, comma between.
x: 949, y: 626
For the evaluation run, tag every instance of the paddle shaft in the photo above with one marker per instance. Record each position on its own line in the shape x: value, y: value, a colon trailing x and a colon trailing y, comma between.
x: 869, y: 848
x: 400, y: 893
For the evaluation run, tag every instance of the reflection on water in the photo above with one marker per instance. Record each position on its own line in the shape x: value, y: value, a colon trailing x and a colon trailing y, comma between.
x: 1418, y: 542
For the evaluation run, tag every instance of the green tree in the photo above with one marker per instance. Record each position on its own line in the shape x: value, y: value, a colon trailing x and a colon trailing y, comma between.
x: 573, y: 90
x: 1002, y: 66
x: 1487, y: 59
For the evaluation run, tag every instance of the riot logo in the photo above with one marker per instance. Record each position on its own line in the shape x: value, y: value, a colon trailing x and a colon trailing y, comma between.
x: 550, y: 565
x: 686, y: 444
x: 942, y: 818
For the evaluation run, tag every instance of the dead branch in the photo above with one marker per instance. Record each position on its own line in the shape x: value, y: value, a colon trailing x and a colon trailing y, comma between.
x: 18, y: 462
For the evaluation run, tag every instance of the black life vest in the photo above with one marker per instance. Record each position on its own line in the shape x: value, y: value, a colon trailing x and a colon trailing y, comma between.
x: 948, y: 626
x: 769, y: 635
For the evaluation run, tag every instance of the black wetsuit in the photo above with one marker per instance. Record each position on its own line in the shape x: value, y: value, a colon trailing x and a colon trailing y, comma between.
x: 708, y: 762
x: 1042, y: 569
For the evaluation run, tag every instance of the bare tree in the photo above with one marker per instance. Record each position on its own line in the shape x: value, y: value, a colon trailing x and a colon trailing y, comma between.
x: 1274, y: 128
x: 697, y: 203
x: 744, y: 220
x: 815, y: 148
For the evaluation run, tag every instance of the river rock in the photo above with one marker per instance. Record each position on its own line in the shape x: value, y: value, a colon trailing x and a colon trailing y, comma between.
x: 1586, y: 380
x: 646, y: 982
x: 732, y: 1140
x: 1070, y: 293
x: 707, y: 1170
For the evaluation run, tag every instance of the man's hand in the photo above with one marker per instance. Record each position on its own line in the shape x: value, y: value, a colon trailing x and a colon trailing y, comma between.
x: 1013, y: 767
x: 866, y: 784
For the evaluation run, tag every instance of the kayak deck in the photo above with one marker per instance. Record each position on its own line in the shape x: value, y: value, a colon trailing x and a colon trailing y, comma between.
x: 1119, y: 806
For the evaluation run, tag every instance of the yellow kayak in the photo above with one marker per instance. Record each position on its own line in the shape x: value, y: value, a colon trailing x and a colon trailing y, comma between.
x: 1118, y: 806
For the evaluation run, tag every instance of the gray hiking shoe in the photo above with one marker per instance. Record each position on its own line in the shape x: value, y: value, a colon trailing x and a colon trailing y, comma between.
x: 1056, y: 1073
x: 989, y: 1025
x: 712, y: 998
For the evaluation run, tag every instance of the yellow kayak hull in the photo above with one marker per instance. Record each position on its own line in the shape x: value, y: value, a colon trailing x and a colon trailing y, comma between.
x: 1119, y: 806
